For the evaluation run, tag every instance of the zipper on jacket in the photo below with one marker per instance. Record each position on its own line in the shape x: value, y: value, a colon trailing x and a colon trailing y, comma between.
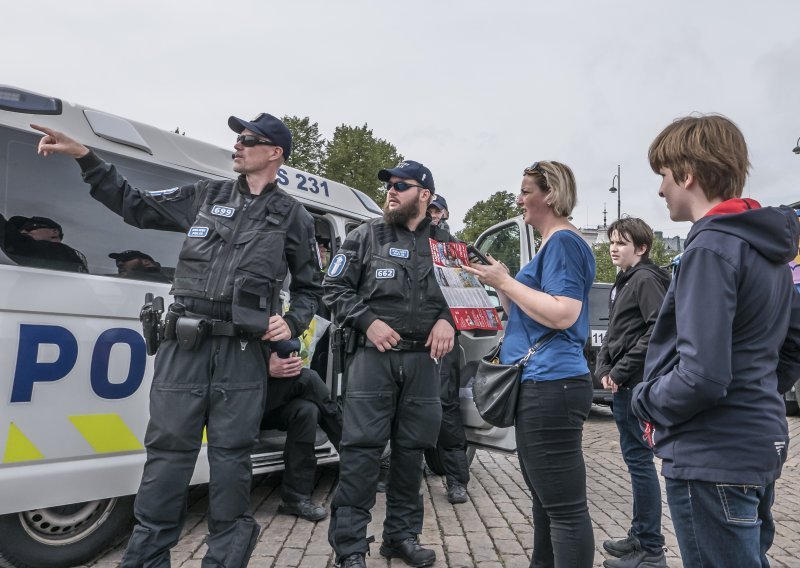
x: 212, y: 291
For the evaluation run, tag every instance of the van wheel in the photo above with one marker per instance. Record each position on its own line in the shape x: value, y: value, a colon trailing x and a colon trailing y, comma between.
x: 791, y: 407
x: 60, y: 537
x: 435, y: 462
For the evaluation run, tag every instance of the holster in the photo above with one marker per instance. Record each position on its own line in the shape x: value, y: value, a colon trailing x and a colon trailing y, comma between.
x: 152, y: 328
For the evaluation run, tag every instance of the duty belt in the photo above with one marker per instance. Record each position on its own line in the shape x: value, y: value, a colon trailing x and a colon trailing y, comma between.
x: 402, y: 345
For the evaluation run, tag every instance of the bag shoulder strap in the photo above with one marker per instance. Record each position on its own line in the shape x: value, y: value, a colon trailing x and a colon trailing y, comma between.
x: 538, y: 345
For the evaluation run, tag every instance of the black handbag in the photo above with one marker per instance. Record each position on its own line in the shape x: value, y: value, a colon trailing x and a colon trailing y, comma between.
x: 496, y: 386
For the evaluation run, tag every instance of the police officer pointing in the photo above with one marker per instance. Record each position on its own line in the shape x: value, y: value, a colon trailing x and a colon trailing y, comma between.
x: 211, y: 371
x: 381, y: 286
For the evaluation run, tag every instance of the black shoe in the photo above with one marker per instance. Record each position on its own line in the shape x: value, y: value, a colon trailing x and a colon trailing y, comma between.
x: 353, y: 561
x: 620, y: 548
x: 410, y: 552
x: 639, y: 559
x: 456, y: 493
x: 303, y: 509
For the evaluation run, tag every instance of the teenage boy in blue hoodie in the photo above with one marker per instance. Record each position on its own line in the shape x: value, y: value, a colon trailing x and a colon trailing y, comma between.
x: 726, y: 341
x: 634, y: 303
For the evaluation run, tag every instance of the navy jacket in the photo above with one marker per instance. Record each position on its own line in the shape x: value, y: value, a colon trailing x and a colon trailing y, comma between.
x: 728, y: 331
x: 637, y: 297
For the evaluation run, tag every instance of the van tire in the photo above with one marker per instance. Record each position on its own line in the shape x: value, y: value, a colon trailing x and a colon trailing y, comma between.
x: 435, y: 463
x: 25, y: 541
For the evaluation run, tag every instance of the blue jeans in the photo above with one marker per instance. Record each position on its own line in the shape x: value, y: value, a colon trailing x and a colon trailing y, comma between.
x: 549, y: 428
x: 721, y: 525
x: 638, y: 456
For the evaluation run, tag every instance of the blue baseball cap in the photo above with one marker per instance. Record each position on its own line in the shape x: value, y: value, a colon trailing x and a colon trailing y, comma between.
x: 439, y: 202
x: 409, y: 169
x: 266, y: 125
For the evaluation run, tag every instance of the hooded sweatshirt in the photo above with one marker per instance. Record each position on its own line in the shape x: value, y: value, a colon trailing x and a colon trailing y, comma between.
x: 727, y: 333
x: 633, y: 307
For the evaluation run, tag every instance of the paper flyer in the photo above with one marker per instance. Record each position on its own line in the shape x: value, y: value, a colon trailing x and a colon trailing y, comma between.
x: 469, y: 302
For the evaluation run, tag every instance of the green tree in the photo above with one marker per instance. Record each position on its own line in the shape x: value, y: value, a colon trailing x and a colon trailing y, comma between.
x: 308, y: 146
x: 660, y: 255
x: 498, y: 207
x: 354, y: 157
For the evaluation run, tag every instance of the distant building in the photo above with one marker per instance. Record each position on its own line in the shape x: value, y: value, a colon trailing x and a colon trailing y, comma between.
x: 671, y: 244
x: 599, y: 235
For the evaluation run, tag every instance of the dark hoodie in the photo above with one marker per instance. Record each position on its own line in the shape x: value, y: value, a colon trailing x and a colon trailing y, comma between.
x: 728, y: 332
x: 637, y: 297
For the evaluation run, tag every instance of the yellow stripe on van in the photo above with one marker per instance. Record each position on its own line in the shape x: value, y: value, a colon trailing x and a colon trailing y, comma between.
x: 19, y: 448
x: 106, y: 433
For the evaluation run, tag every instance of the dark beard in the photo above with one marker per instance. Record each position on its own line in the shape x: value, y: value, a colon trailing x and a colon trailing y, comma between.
x: 401, y: 215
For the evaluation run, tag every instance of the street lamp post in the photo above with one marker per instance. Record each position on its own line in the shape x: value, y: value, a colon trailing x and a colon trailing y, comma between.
x: 615, y: 188
x: 797, y: 147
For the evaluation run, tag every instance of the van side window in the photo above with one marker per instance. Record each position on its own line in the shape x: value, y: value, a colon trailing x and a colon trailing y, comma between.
x: 52, y: 189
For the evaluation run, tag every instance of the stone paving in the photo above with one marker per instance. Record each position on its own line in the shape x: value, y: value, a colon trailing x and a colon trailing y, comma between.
x: 492, y: 530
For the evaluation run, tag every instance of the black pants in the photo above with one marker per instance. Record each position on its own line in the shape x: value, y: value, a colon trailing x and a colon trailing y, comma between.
x: 549, y: 429
x: 221, y: 387
x: 390, y: 396
x: 452, y: 443
x: 296, y: 405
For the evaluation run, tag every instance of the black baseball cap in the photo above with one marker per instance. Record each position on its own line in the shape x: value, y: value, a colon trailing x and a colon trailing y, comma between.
x: 127, y: 255
x: 409, y: 169
x: 439, y: 202
x: 32, y: 223
x: 268, y: 126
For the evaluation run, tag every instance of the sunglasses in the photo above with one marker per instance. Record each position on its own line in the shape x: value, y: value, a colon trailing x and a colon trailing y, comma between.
x: 537, y: 167
x: 401, y: 185
x: 248, y: 141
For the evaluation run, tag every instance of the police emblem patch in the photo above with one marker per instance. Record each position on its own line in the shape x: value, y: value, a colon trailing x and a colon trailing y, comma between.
x: 221, y: 211
x: 163, y: 192
x: 398, y: 253
x: 198, y: 232
x: 384, y: 273
x: 338, y: 263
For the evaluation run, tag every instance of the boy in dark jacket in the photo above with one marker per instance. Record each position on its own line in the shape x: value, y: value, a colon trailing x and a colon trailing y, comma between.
x: 634, y: 304
x: 726, y: 341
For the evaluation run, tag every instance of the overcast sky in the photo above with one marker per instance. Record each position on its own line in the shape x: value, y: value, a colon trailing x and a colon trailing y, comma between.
x: 476, y: 90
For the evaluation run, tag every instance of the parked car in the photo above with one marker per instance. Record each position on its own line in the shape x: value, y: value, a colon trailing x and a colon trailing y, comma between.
x: 598, y: 326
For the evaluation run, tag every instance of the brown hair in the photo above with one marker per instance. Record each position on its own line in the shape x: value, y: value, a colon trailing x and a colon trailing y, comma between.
x: 710, y: 147
x: 634, y: 230
x: 558, y: 181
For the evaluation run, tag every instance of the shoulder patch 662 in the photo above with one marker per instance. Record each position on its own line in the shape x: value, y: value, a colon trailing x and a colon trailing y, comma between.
x: 223, y: 211
x: 383, y: 273
x: 198, y: 232
x: 337, y: 265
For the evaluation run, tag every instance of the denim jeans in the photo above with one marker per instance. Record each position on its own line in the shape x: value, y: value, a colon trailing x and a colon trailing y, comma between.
x: 549, y: 429
x: 646, y: 492
x: 722, y: 525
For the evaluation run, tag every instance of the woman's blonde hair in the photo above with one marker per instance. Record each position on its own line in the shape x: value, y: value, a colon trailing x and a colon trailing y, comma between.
x: 558, y: 181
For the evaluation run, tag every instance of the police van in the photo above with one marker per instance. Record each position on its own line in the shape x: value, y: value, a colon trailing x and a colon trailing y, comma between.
x: 74, y: 373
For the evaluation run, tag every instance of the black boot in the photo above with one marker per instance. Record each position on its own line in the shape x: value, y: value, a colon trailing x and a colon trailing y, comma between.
x: 304, y: 509
x: 353, y: 561
x: 409, y: 551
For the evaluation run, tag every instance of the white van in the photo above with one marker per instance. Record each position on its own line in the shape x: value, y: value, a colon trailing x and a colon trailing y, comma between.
x: 74, y: 375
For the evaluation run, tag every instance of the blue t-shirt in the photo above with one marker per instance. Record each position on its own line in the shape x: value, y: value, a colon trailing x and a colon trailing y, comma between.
x: 564, y: 266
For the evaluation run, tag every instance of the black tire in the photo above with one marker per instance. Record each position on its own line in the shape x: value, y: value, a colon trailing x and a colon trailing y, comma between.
x: 435, y: 463
x: 792, y: 407
x: 61, y: 537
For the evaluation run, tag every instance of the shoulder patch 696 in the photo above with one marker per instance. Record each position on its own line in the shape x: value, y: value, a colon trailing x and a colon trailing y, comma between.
x: 222, y: 211
x: 384, y: 273
x: 337, y: 265
x: 198, y: 232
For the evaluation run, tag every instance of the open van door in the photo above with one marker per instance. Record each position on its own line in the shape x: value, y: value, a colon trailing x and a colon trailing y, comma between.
x: 511, y: 242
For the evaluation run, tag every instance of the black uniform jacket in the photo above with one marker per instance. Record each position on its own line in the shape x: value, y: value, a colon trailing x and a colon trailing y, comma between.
x: 235, y: 241
x: 385, y: 271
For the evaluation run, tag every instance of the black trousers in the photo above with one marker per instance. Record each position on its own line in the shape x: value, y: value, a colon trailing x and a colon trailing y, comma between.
x: 549, y: 429
x: 452, y: 443
x: 390, y: 396
x: 296, y: 405
x: 221, y: 387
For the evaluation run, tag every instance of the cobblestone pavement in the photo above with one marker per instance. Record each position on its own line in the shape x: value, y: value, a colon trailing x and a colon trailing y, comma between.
x: 493, y: 529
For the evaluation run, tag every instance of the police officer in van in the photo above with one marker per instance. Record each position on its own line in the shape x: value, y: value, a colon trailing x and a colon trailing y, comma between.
x: 211, y: 371
x: 381, y: 287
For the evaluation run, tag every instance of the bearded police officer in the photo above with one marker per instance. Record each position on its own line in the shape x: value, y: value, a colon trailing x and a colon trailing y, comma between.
x: 381, y: 286
x: 211, y: 371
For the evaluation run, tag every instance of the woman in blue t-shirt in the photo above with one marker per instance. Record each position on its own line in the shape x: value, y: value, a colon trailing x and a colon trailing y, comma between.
x: 551, y: 293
